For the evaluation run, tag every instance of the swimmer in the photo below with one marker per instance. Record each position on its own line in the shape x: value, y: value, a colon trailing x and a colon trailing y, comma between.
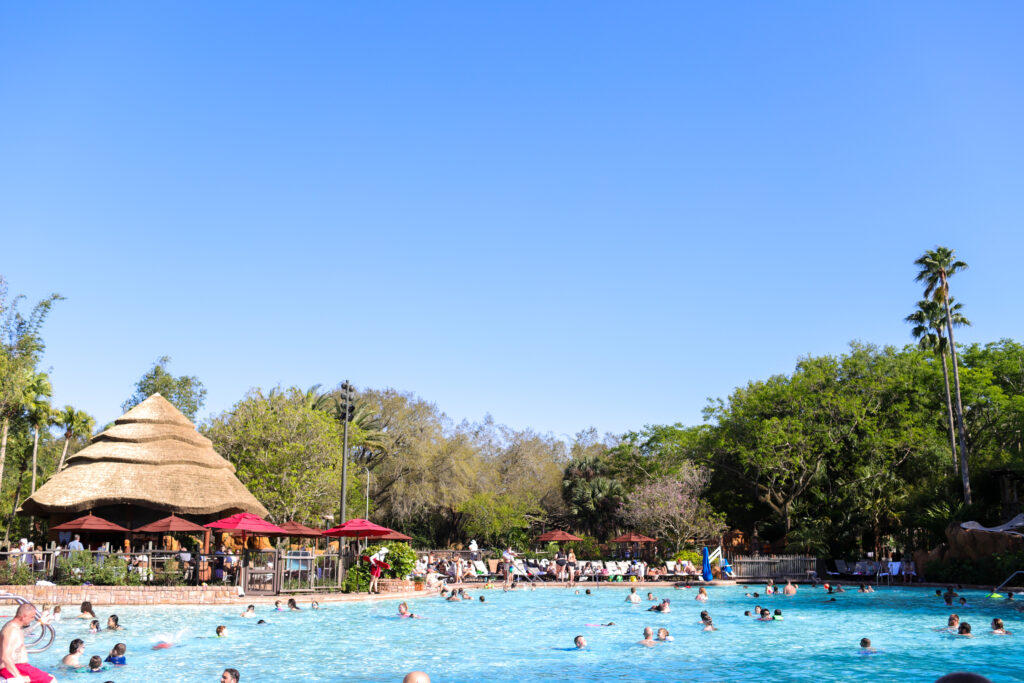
x: 293, y: 606
x: 222, y: 631
x: 633, y: 597
x: 651, y: 598
x: 963, y: 602
x: 403, y: 611
x: 747, y: 613
x: 580, y: 642
x: 770, y: 588
x: 790, y: 588
x: 94, y: 626
x: 588, y: 591
x: 964, y: 629
x: 232, y: 676
x: 862, y: 589
x: 482, y: 599
x: 756, y: 594
x: 95, y: 665
x: 454, y: 597
x: 261, y: 621
x: 663, y: 635
x: 702, y: 595
x: 777, y: 616
x: 952, y: 623
x: 865, y: 647
x: 765, y: 615
x: 277, y: 606
x: 116, y: 656
x: 465, y: 594
x: 113, y: 624
x: 610, y: 623
x: 839, y: 588
x: 86, y: 611
x: 412, y: 677
x: 56, y: 611
x: 998, y: 629
x: 705, y: 619
x: 314, y: 605
x: 74, y: 655
x: 250, y: 611
x: 648, y: 640
x: 663, y: 607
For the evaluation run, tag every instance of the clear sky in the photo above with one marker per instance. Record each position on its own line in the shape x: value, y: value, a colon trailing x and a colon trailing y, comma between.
x: 564, y: 214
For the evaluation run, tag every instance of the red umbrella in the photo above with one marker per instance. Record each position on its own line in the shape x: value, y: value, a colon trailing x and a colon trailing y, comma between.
x: 89, y: 522
x: 169, y: 525
x: 358, y: 528
x: 246, y: 522
x: 296, y: 529
x: 557, y: 535
x: 395, y: 536
x: 633, y: 537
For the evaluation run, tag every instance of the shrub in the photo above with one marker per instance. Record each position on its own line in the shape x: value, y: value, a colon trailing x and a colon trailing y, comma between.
x: 80, y: 568
x: 694, y: 556
x: 16, y: 574
x: 986, y: 571
x: 401, y: 557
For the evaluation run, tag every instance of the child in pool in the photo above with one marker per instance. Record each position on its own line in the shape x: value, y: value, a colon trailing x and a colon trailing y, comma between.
x: 222, y: 631
x: 865, y: 647
x: 998, y: 629
x: 94, y: 626
x: 116, y: 656
x: 95, y: 666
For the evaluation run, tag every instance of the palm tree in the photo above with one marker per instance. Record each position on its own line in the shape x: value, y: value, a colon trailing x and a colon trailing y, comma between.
x: 75, y: 423
x: 929, y: 321
x: 936, y: 267
x: 39, y: 412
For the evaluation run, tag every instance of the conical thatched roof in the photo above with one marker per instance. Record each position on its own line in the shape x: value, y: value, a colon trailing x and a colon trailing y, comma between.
x: 152, y: 457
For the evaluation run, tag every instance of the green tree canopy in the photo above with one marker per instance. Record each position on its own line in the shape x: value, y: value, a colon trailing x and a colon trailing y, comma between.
x: 186, y: 393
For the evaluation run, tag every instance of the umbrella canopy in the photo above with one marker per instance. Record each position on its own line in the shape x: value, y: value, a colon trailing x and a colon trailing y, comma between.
x: 296, y: 529
x: 89, y: 522
x: 557, y: 535
x: 395, y: 536
x: 246, y: 522
x: 358, y: 528
x: 633, y: 537
x: 169, y: 525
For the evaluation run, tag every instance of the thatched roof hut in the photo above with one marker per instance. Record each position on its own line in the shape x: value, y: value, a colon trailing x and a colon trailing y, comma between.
x: 152, y: 458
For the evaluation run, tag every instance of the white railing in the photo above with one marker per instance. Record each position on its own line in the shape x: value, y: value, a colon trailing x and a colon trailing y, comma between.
x: 773, y: 566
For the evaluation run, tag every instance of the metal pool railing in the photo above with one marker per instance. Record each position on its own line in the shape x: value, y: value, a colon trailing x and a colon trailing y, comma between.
x: 773, y: 567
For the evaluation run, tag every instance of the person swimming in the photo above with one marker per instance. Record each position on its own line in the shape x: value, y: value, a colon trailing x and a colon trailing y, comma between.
x: 610, y: 623
x: 95, y: 665
x: 633, y: 597
x: 222, y: 631
x: 250, y: 611
x: 778, y: 615
x: 702, y: 595
x: 964, y: 629
x: 865, y: 647
x: 663, y: 607
x: 293, y: 606
x: 94, y: 626
x: 580, y: 642
x: 648, y: 640
x: 998, y: 629
x: 952, y: 623
x: 765, y: 615
x: 113, y: 624
x: 403, y: 611
x: 75, y: 652
x: 651, y: 598
x: 663, y: 635
x: 705, y: 619
x: 116, y: 656
x: 314, y: 605
x: 482, y: 599
x: 277, y: 606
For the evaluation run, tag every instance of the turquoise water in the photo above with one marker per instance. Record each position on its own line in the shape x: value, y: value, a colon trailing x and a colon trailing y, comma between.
x: 516, y: 636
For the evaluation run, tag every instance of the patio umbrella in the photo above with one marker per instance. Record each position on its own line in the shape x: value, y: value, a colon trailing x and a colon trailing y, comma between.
x: 169, y: 525
x: 247, y: 523
x: 557, y: 535
x: 395, y: 536
x: 633, y: 537
x: 296, y: 529
x: 89, y: 522
x: 358, y: 528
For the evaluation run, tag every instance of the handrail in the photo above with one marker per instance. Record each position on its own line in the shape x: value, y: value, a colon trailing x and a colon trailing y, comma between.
x: 1008, y: 579
x: 45, y: 632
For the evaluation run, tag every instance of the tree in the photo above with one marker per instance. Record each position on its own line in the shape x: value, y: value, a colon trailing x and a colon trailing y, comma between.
x: 592, y: 495
x: 76, y: 423
x: 20, y: 349
x: 929, y: 322
x: 936, y: 267
x: 672, y: 508
x: 39, y: 413
x: 286, y: 453
x: 186, y: 393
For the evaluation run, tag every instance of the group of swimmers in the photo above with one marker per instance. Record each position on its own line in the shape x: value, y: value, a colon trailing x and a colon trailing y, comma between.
x: 73, y: 659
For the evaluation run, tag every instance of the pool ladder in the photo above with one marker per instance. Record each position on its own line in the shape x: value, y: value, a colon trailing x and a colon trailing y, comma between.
x: 35, y: 642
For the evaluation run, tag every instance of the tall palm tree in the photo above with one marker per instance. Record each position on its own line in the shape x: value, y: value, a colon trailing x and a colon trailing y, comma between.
x: 936, y: 267
x: 75, y: 423
x: 40, y: 413
x: 929, y: 321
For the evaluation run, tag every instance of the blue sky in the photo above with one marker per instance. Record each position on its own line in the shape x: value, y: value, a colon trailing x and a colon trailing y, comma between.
x: 563, y: 214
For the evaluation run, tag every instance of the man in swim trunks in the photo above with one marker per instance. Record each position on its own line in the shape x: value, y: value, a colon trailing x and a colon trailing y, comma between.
x: 14, y: 664
x: 633, y: 597
x: 648, y: 640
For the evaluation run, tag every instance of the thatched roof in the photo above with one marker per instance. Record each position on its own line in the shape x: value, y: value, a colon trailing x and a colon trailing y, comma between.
x: 152, y: 457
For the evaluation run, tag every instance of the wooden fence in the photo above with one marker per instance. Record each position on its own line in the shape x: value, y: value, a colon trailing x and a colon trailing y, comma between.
x: 773, y: 567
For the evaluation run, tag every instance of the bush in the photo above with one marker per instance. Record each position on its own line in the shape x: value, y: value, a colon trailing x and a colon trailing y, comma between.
x: 987, y: 571
x: 81, y: 568
x: 16, y: 574
x: 401, y: 557
x: 694, y: 556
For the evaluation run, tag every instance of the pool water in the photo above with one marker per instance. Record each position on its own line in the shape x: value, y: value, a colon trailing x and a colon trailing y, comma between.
x: 527, y: 636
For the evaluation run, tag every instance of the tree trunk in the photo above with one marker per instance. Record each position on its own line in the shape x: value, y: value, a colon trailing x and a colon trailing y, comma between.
x: 67, y: 441
x: 35, y: 452
x: 17, y: 501
x: 949, y: 412
x: 962, y: 433
x: 3, y: 447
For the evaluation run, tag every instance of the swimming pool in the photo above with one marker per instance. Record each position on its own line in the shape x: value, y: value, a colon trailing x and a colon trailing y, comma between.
x: 517, y: 636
